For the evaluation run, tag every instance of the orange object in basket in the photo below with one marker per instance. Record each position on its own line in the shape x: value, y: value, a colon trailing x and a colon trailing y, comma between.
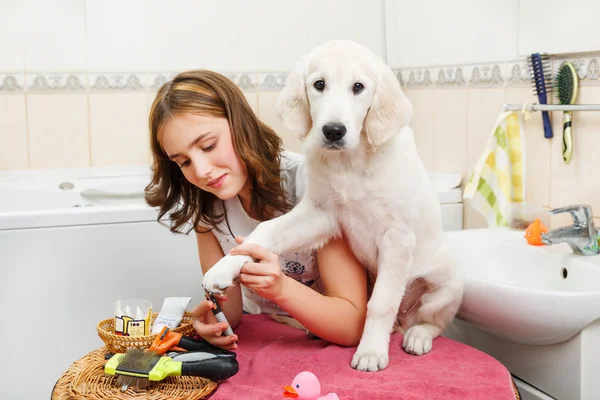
x: 165, y: 341
x: 534, y: 231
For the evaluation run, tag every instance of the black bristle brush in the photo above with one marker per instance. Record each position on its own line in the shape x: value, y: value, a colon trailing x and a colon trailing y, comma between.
x: 540, y: 72
x: 139, y: 368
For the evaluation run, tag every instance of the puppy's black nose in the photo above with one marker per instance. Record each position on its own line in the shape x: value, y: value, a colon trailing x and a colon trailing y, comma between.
x: 334, y: 131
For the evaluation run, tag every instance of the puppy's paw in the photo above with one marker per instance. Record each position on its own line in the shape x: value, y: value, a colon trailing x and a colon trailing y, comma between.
x: 369, y: 361
x: 370, y: 358
x: 418, y: 340
x: 222, y: 274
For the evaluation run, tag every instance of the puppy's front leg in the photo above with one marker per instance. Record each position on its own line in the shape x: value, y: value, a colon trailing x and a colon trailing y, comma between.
x: 305, y: 225
x: 394, y: 265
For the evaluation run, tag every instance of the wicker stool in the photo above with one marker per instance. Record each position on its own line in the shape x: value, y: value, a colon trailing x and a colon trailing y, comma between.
x: 85, y: 380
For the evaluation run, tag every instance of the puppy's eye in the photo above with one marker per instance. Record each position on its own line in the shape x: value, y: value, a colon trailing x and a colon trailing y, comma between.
x: 357, y: 88
x: 319, y: 85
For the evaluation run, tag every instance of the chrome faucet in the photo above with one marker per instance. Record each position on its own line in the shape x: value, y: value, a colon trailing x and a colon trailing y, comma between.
x: 582, y: 236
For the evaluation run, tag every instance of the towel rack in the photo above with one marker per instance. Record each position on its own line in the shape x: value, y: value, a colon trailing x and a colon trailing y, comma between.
x: 552, y: 107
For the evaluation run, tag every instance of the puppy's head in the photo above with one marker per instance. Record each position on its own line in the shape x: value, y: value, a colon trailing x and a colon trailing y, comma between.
x: 339, y: 92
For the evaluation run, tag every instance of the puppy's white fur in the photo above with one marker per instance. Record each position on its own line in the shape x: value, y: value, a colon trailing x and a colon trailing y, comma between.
x: 372, y: 186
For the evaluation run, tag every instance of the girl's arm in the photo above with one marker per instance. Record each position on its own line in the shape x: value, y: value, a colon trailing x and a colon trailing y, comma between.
x: 210, y: 252
x: 339, y: 314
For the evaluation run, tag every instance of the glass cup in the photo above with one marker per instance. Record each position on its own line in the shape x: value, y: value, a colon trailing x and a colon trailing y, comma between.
x: 521, y: 215
x: 133, y: 317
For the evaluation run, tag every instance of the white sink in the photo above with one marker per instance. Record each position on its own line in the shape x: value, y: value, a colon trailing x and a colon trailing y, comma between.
x: 535, y: 295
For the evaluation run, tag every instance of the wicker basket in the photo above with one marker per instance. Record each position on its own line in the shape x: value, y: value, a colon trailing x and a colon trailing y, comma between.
x: 120, y: 344
x: 85, y: 380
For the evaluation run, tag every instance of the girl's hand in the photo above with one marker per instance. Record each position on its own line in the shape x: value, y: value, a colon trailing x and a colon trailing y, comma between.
x: 263, y: 276
x: 209, y: 329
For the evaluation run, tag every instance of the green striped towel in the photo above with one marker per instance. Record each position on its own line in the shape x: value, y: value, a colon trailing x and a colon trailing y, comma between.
x: 498, y: 178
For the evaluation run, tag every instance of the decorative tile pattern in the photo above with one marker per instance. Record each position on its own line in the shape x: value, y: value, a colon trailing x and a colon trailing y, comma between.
x: 118, y: 81
x: 55, y: 81
x: 588, y: 69
x: 458, y: 76
x: 512, y: 72
x: 245, y: 80
x: 450, y: 76
x: 11, y: 82
x: 518, y: 72
x: 487, y: 74
x: 398, y: 74
x: 272, y: 81
x: 420, y: 77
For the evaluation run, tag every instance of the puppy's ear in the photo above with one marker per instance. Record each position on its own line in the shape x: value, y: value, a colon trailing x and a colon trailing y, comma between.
x: 390, y: 111
x: 292, y: 103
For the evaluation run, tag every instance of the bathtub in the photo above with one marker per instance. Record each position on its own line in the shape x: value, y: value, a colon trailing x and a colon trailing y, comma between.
x: 71, y: 243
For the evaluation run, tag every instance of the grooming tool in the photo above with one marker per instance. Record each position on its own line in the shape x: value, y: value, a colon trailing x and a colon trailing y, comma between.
x: 540, y: 74
x: 567, y: 84
x: 139, y: 368
x: 168, y: 340
x: 218, y: 313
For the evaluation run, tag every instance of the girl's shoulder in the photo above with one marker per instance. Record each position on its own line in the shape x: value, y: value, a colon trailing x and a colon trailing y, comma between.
x: 292, y: 166
x: 291, y: 159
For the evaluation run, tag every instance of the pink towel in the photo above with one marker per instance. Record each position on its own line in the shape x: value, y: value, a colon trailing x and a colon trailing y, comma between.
x: 271, y: 354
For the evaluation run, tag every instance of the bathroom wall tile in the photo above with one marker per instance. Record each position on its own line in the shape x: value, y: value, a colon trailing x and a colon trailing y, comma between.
x: 12, y: 56
x: 150, y: 95
x: 156, y: 80
x: 339, y: 19
x: 450, y: 126
x: 423, y: 123
x: 483, y: 108
x: 268, y: 114
x: 252, y: 98
x: 517, y: 73
x: 537, y: 148
x: 12, y: 82
x: 441, y: 43
x: 58, y: 130
x: 118, y: 129
x: 172, y: 33
x: 247, y: 40
x: 272, y: 81
x: 118, y: 81
x: 578, y: 181
x: 115, y: 33
x: 54, y: 35
x: 473, y: 219
x: 13, y: 132
x: 246, y: 81
x: 53, y: 81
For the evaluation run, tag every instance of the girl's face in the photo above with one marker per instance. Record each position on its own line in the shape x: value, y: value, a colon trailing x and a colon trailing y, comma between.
x: 202, y: 147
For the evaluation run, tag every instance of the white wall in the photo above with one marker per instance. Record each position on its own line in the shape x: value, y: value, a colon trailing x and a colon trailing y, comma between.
x: 154, y: 35
x: 552, y: 26
x: 433, y: 32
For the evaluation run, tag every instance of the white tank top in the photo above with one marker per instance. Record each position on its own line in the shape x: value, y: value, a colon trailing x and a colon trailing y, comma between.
x: 300, y: 265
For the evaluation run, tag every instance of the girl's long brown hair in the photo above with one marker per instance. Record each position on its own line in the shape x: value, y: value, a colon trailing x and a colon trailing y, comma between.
x: 208, y: 93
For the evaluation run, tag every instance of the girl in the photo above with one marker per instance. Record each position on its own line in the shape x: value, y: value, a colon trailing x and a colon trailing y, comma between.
x: 217, y: 167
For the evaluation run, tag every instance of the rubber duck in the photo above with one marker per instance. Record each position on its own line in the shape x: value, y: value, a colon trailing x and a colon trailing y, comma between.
x: 534, y: 231
x: 306, y: 386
